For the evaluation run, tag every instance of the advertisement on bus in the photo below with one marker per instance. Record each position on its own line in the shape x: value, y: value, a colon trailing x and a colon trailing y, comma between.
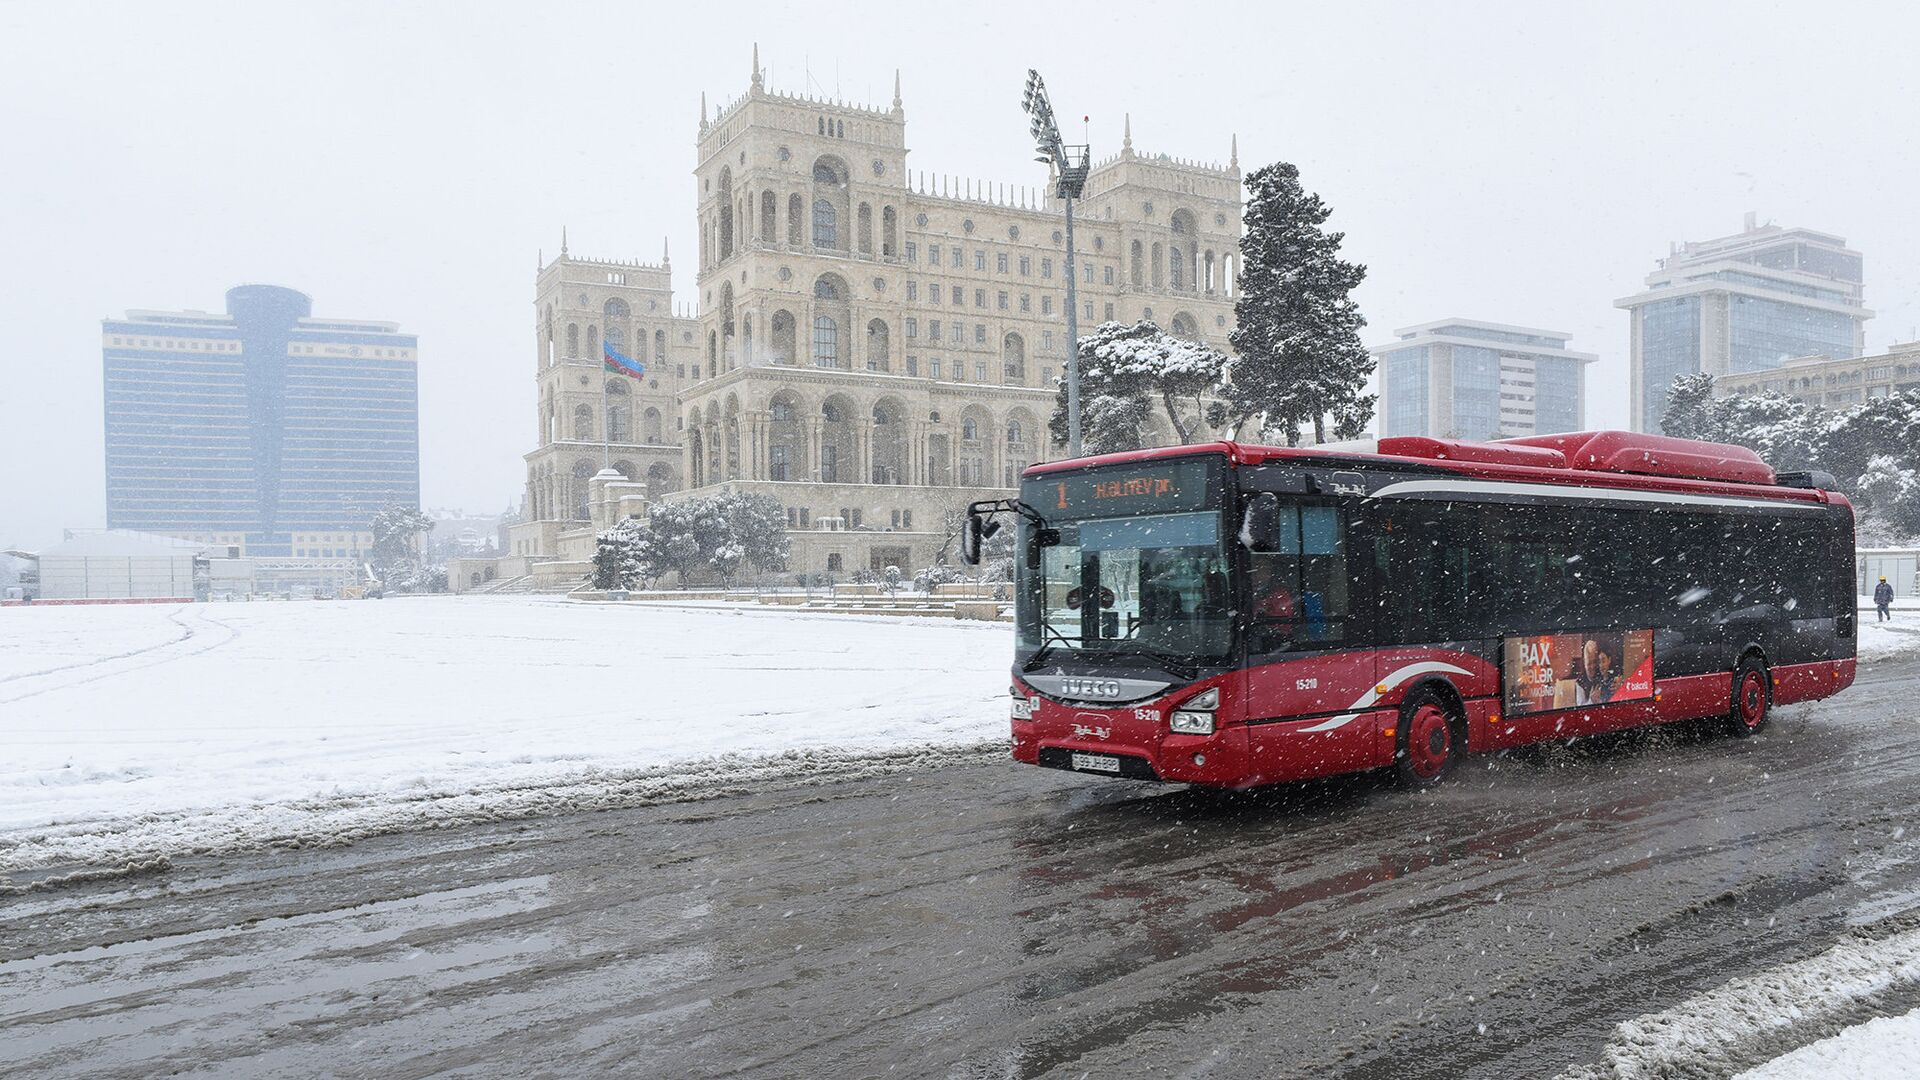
x: 1567, y: 671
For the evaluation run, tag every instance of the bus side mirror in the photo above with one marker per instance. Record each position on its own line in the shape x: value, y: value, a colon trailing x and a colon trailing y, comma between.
x: 974, y: 536
x: 1261, y: 529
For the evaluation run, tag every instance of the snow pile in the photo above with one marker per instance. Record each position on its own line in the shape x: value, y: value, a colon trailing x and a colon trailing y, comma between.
x: 1882, y: 1049
x: 1758, y: 1016
x: 1882, y: 639
x: 140, y: 732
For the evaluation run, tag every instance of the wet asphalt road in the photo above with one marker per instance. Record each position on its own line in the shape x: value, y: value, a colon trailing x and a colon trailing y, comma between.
x: 1003, y: 921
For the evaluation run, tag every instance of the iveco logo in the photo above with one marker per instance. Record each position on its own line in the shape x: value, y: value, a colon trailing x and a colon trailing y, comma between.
x: 1089, y: 688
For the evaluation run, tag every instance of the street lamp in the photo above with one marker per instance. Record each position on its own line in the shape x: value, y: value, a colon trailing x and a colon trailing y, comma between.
x: 1070, y: 168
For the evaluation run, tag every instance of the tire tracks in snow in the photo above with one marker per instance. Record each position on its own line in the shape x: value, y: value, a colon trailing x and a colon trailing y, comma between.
x: 192, y: 641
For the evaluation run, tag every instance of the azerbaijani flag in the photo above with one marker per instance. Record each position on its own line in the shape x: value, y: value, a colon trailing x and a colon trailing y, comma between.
x: 621, y: 365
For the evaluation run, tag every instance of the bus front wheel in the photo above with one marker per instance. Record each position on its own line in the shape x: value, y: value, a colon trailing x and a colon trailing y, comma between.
x: 1752, y: 698
x: 1430, y: 742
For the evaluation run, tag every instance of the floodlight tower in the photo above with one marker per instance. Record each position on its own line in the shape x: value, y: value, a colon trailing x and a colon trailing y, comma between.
x: 1070, y: 168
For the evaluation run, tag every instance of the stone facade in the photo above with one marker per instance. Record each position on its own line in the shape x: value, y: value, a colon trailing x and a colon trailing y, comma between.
x: 1833, y: 384
x: 874, y: 348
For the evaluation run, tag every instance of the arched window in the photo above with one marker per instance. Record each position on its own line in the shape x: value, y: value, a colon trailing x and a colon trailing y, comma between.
x: 782, y: 410
x: 1134, y: 270
x: 1159, y: 265
x: 726, y: 212
x: 825, y: 288
x: 650, y: 426
x: 582, y: 470
x: 583, y: 423
x: 660, y: 345
x: 1174, y: 276
x: 1013, y: 433
x: 1208, y: 282
x: 970, y: 430
x: 826, y: 231
x: 877, y: 358
x: 889, y: 232
x: 573, y: 340
x: 619, y: 411
x: 796, y: 215
x: 768, y: 204
x: 616, y: 308
x: 826, y: 342
x: 1013, y: 355
x: 864, y: 223
x: 783, y: 344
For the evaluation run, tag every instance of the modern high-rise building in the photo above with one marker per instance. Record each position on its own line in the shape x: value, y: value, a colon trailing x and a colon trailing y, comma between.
x: 263, y: 428
x: 1740, y: 304
x: 1462, y: 379
x: 873, y: 346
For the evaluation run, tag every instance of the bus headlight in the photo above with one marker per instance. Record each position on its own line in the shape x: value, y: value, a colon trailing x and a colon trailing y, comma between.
x: 1192, y: 722
x: 1022, y: 705
x: 1195, y: 715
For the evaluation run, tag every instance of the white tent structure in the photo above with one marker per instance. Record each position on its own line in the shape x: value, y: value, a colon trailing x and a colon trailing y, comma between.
x: 120, y: 564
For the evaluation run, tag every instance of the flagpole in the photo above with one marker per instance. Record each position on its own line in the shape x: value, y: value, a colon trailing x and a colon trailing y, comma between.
x: 606, y: 418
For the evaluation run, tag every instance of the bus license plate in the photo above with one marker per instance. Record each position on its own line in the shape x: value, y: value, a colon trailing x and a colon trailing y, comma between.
x: 1096, y: 763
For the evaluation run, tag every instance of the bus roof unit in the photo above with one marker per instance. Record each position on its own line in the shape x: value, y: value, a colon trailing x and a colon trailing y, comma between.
x: 1484, y: 453
x: 1656, y: 455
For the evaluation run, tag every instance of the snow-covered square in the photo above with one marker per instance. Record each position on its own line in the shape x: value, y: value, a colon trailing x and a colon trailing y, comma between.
x: 140, y: 731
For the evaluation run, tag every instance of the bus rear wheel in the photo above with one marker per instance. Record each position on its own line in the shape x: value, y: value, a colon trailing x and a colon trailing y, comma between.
x: 1430, y: 743
x: 1752, y: 698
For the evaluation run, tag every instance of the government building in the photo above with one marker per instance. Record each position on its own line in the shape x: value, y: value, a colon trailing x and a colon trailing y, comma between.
x: 263, y: 430
x: 872, y: 346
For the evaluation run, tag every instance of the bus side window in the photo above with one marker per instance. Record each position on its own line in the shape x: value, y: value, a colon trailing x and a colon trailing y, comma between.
x: 1298, y: 593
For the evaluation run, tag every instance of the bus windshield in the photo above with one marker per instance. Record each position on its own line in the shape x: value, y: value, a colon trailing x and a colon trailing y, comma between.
x: 1129, y: 562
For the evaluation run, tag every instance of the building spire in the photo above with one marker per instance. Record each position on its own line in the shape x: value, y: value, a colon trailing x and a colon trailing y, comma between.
x: 703, y: 111
x: 896, y: 89
x: 758, y: 82
x: 1233, y: 160
x: 666, y: 260
x: 1126, y: 136
x: 563, y: 241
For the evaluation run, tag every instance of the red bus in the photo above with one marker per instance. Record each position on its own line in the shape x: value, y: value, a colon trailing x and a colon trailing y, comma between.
x: 1230, y: 615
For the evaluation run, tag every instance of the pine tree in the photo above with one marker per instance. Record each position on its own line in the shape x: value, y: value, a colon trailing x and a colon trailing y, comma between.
x: 1690, y: 412
x: 1130, y: 373
x: 1888, y: 425
x: 1298, y: 333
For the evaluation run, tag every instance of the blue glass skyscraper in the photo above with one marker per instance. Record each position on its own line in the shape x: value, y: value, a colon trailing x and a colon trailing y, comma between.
x: 264, y: 427
x: 1741, y: 304
x: 1466, y: 379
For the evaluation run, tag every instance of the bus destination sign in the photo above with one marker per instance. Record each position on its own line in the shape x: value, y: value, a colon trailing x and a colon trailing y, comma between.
x: 1120, y: 491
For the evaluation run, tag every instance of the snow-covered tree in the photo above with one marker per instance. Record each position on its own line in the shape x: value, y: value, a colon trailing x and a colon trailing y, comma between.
x: 717, y: 536
x: 1130, y: 373
x: 1878, y: 426
x: 1787, y: 433
x: 1690, y: 413
x: 1890, y: 491
x: 616, y: 556
x: 939, y: 574
x: 1298, y: 329
x: 395, y: 555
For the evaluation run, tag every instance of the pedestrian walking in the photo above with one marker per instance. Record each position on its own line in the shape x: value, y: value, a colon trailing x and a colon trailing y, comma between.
x: 1883, y: 600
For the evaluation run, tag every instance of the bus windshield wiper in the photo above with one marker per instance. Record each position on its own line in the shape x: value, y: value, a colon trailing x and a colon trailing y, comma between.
x: 1178, y: 664
x: 1046, y: 647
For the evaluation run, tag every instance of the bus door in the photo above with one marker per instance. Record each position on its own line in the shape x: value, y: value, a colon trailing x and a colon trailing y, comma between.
x: 1305, y: 669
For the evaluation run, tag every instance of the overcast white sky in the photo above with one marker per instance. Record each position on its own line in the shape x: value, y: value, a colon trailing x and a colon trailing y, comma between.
x: 1522, y: 163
